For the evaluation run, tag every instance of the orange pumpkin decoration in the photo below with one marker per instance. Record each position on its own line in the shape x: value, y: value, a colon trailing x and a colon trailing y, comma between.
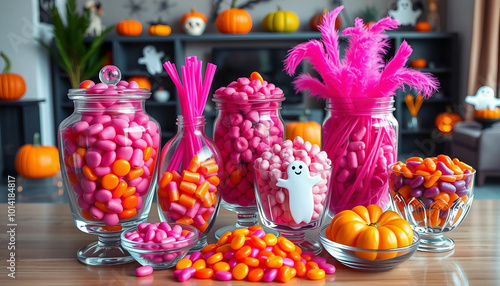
x: 191, y: 14
x: 446, y: 120
x: 370, y: 228
x: 309, y: 131
x: 423, y: 26
x: 488, y: 113
x: 129, y: 28
x: 418, y: 63
x: 36, y: 162
x: 234, y: 21
x: 317, y: 18
x: 12, y: 86
x: 159, y: 30
x: 142, y: 81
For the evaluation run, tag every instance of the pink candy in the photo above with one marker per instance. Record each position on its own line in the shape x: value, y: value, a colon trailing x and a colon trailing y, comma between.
x: 112, y: 130
x: 272, y: 165
x: 248, y: 124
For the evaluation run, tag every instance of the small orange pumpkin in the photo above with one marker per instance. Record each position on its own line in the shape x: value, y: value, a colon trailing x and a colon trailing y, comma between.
x: 446, y: 120
x: 317, y: 18
x: 488, y: 113
x: 418, y: 63
x: 159, y: 30
x: 36, y: 162
x: 423, y: 26
x: 309, y: 131
x: 234, y: 21
x: 142, y: 81
x: 129, y: 28
x: 370, y: 228
x: 12, y: 85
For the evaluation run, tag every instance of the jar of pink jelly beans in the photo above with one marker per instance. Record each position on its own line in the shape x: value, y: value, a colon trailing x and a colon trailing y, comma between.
x: 245, y: 127
x: 360, y: 137
x: 109, y: 149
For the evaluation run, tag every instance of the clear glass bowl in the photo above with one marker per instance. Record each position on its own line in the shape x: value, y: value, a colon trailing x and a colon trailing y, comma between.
x: 349, y: 256
x: 428, y: 214
x: 158, y: 255
x: 287, y: 212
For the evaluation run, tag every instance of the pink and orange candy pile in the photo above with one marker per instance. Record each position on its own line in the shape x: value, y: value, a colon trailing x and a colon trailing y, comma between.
x: 190, y: 198
x: 436, y: 181
x: 253, y: 255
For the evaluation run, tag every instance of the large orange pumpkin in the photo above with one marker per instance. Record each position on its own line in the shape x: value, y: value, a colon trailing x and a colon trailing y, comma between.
x: 36, y: 162
x: 370, y: 228
x: 446, y: 120
x: 12, y: 86
x: 234, y: 21
x: 317, y: 18
x: 129, y: 28
x: 309, y: 131
x: 142, y: 81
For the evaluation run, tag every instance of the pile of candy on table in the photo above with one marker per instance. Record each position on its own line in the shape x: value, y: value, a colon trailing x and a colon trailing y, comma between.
x: 113, y: 166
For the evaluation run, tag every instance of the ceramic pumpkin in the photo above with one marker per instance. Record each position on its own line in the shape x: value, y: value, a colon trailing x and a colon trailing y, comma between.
x: 234, y: 21
x: 142, y: 81
x: 487, y: 113
x: 309, y: 131
x: 317, y: 18
x: 418, y: 63
x: 36, y: 162
x: 446, y: 120
x: 129, y: 28
x: 423, y: 26
x: 370, y: 228
x: 194, y: 23
x: 12, y: 86
x: 158, y: 29
x: 281, y: 21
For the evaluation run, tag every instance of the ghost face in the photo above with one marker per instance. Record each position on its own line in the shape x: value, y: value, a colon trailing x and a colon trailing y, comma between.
x: 404, y: 5
x: 297, y: 168
x: 194, y: 26
x: 485, y: 92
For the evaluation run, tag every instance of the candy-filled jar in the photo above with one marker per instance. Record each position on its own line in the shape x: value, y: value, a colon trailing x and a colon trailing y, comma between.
x: 108, y: 154
x: 189, y: 178
x: 248, y: 123
x: 360, y: 137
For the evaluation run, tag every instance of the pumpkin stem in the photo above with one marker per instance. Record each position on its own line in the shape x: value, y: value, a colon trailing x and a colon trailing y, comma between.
x: 374, y: 224
x: 6, y: 69
x: 36, y: 139
x: 233, y: 4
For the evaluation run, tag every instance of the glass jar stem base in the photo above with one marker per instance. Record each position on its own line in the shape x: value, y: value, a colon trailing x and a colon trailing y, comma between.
x: 106, y: 251
x: 299, y: 239
x: 435, y: 242
x: 245, y: 220
x: 202, y: 242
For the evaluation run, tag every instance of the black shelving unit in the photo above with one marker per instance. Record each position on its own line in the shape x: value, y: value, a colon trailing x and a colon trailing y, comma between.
x: 438, y: 48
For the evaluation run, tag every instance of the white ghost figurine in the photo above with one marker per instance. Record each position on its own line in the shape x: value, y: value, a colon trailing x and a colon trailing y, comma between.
x: 299, y: 185
x: 152, y: 59
x: 405, y: 13
x: 483, y: 99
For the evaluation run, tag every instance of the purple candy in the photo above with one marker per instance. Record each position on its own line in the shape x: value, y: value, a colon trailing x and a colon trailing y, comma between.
x: 460, y: 184
x: 447, y: 187
x: 416, y: 192
x: 412, y: 164
x: 431, y: 192
x: 463, y: 192
x: 443, y: 214
x: 398, y: 182
x: 467, y: 176
x: 444, y: 169
x: 417, y: 181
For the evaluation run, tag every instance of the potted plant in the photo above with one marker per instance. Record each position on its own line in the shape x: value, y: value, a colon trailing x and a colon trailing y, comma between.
x: 80, y: 60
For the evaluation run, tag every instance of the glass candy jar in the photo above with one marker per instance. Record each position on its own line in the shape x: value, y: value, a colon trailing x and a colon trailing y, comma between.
x: 189, y: 177
x: 360, y: 137
x: 243, y: 130
x: 108, y: 154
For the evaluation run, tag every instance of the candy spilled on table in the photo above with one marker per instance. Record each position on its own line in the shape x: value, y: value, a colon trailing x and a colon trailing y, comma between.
x: 189, y: 163
x: 359, y: 132
x: 109, y: 148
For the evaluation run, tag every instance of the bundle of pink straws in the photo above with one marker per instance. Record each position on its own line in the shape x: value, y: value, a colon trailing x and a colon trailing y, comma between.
x: 193, y: 94
x: 358, y: 138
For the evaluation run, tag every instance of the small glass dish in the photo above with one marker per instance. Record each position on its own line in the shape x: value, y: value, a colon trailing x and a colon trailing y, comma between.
x: 426, y: 210
x: 159, y: 255
x: 349, y: 256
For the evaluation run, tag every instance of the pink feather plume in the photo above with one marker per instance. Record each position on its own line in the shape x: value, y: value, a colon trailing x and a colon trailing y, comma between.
x: 362, y: 72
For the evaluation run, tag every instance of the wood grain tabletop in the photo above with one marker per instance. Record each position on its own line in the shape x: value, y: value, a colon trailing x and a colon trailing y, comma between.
x: 46, y: 242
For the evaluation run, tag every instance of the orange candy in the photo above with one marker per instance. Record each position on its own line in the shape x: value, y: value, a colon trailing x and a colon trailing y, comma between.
x: 316, y: 274
x: 256, y: 275
x: 183, y: 263
x: 135, y: 173
x: 243, y: 252
x: 147, y: 153
x: 240, y: 271
x: 286, y: 273
x: 121, y: 167
x: 286, y: 245
x: 130, y: 202
x: 301, y: 269
x: 165, y: 179
x: 126, y: 214
x: 199, y: 264
x: 190, y: 176
x: 120, y: 189
x: 205, y: 273
x: 238, y: 241
x: 128, y: 192
x: 221, y: 266
x: 89, y: 173
x: 215, y: 258
x: 274, y: 262
x: 209, y: 248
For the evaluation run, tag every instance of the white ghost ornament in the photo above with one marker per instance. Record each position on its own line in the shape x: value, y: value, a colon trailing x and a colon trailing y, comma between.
x: 483, y: 99
x: 299, y: 185
x: 194, y: 26
x: 405, y: 13
x: 152, y: 59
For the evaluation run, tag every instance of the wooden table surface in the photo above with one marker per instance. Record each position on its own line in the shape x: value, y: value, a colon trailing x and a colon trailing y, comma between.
x: 47, y: 240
